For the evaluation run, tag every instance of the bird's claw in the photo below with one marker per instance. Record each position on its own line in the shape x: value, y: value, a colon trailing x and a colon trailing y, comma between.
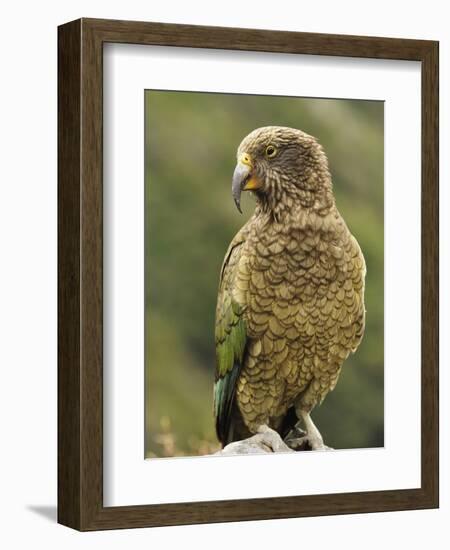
x: 271, y: 439
x: 298, y: 440
x: 308, y: 443
x: 295, y: 439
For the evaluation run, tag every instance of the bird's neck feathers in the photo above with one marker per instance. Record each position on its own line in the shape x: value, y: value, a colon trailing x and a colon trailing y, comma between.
x: 284, y: 198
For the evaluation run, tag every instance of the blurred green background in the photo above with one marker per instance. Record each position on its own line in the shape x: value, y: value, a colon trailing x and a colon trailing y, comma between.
x: 190, y: 153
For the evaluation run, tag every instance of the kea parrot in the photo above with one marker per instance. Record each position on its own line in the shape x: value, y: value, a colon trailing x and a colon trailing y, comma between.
x: 290, y: 305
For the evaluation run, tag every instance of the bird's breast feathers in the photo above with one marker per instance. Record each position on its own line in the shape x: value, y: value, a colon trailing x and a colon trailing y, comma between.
x: 301, y: 286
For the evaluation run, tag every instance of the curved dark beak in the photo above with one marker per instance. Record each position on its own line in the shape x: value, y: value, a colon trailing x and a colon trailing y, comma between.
x: 240, y: 176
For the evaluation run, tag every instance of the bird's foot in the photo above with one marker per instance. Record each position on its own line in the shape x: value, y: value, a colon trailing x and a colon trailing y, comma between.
x: 307, y: 442
x: 271, y: 439
x: 296, y: 440
x: 264, y: 441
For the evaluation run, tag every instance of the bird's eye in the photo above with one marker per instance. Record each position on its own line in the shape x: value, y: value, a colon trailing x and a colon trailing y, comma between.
x: 270, y: 151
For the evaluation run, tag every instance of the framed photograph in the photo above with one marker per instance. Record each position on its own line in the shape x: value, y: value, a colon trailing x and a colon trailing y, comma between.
x: 248, y: 274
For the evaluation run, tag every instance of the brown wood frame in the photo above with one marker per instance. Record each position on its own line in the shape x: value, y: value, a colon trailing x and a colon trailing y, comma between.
x: 80, y: 300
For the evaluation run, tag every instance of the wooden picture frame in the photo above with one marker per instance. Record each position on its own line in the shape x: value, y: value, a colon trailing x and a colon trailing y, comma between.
x: 80, y: 272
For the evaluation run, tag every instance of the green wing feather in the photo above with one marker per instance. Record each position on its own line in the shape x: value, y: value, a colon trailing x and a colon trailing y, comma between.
x: 231, y: 338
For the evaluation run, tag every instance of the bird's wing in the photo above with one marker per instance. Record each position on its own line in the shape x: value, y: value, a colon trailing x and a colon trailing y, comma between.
x: 230, y: 339
x: 358, y: 279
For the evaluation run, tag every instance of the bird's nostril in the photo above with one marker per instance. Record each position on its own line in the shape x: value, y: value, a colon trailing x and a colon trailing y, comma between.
x: 245, y: 159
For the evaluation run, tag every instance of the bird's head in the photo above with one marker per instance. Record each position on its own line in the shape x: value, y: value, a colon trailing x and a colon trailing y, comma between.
x: 283, y: 167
